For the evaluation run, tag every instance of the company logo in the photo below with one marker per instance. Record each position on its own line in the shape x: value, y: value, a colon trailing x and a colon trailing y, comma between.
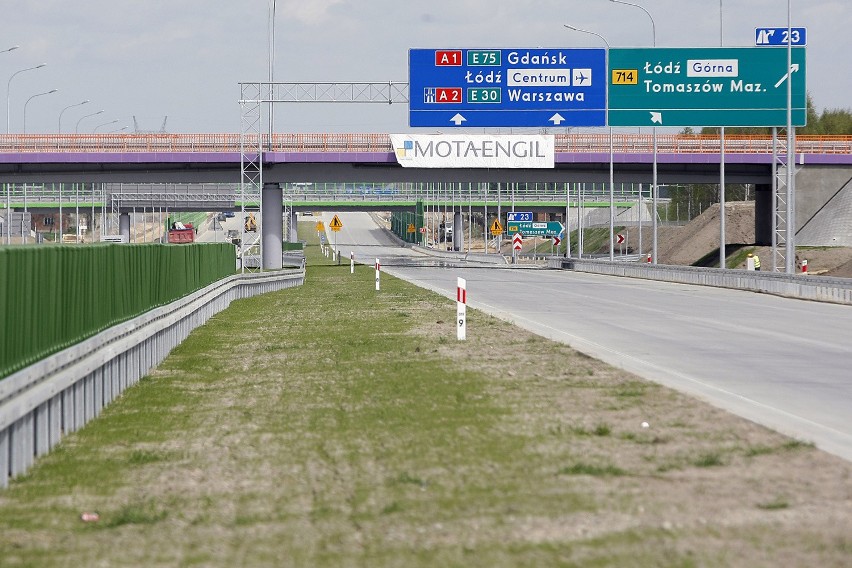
x: 406, y: 151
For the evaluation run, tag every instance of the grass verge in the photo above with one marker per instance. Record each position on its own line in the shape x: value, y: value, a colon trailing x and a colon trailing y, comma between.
x: 332, y: 425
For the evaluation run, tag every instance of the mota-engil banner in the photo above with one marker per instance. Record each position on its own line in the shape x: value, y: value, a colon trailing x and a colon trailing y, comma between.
x: 473, y: 151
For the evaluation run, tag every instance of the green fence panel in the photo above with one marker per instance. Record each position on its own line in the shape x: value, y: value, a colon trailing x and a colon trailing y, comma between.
x: 54, y: 296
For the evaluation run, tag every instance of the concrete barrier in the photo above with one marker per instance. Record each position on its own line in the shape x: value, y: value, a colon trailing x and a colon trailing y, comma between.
x: 802, y: 286
x: 61, y: 393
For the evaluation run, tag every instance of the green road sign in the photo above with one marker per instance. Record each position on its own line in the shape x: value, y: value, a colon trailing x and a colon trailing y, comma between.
x: 711, y: 86
x: 532, y: 229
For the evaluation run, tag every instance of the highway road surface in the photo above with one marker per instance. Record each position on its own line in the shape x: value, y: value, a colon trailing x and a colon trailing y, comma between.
x: 784, y: 363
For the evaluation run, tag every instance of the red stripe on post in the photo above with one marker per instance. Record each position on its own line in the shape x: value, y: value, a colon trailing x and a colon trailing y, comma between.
x: 461, y: 295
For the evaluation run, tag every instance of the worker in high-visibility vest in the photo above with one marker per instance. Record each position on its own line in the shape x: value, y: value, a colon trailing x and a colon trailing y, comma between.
x: 755, y: 261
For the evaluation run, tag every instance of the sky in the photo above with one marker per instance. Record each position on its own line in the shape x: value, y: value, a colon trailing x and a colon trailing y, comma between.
x: 181, y: 61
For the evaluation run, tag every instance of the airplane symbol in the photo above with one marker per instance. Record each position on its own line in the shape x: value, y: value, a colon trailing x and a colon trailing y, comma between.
x: 582, y: 77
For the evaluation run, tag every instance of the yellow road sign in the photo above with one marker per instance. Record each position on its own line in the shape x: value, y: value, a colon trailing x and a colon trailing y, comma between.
x: 625, y: 77
x: 411, y: 228
x: 320, y: 227
x: 496, y: 228
x: 336, y: 224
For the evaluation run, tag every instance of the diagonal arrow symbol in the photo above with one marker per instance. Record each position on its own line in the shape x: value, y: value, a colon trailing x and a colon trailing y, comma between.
x: 657, y: 117
x: 793, y: 68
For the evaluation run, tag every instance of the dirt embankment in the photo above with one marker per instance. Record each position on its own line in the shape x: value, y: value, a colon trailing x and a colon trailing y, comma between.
x: 687, y: 244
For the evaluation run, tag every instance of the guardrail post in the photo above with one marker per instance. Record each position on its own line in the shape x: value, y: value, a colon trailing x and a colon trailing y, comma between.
x: 4, y: 458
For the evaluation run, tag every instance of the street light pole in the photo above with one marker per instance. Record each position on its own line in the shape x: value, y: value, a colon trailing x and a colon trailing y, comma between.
x: 611, y: 156
x: 271, y: 70
x: 9, y: 86
x: 95, y: 129
x: 77, y: 127
x: 28, y: 102
x: 59, y: 129
x: 8, y: 197
x: 654, y: 188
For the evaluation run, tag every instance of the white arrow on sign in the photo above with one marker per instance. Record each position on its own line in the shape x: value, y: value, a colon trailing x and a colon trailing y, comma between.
x: 657, y: 117
x: 556, y: 119
x: 458, y: 119
x: 793, y: 68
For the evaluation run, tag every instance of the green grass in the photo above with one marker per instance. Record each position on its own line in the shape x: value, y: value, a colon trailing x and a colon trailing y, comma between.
x: 332, y: 425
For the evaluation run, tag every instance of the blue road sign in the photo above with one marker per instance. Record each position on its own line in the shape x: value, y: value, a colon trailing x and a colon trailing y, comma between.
x: 513, y: 216
x: 507, y: 87
x: 780, y: 36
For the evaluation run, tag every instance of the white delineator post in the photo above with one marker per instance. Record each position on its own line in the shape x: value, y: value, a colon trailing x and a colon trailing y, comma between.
x: 461, y: 308
x: 351, y: 263
x: 378, y: 273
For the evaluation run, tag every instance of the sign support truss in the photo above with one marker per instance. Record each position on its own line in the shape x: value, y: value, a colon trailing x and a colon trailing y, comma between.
x: 783, y: 216
x: 389, y: 92
x: 255, y: 96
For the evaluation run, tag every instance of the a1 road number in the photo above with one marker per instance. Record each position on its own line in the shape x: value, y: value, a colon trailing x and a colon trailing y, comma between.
x: 625, y: 76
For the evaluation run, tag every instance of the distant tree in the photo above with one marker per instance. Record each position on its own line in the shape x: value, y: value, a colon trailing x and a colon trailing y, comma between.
x: 837, y: 122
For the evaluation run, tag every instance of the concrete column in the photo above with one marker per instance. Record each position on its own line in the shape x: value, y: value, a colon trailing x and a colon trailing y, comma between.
x: 458, y: 232
x: 272, y: 225
x: 763, y: 214
x: 294, y: 227
x: 124, y: 225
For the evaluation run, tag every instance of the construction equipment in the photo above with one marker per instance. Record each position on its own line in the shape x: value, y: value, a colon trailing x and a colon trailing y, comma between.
x: 251, y: 223
x: 181, y: 233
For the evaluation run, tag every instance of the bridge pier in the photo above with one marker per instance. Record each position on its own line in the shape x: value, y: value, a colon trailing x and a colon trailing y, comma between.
x: 294, y: 228
x: 272, y: 225
x: 458, y: 232
x: 763, y: 214
x: 124, y: 226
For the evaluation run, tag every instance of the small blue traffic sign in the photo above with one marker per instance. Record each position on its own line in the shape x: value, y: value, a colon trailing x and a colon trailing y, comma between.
x: 519, y: 216
x: 780, y: 36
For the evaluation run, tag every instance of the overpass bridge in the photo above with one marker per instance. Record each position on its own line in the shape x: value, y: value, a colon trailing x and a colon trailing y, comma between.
x: 360, y: 172
x: 216, y: 158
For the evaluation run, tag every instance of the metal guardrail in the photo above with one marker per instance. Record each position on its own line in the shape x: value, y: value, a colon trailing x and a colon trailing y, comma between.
x: 61, y: 393
x: 801, y: 286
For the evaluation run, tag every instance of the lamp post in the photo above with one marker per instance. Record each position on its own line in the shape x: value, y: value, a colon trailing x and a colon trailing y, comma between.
x: 117, y: 130
x: 611, y: 167
x: 28, y: 102
x: 59, y: 129
x: 77, y: 127
x: 271, y: 70
x: 9, y: 86
x: 95, y: 129
x: 8, y: 197
x: 790, y: 223
x: 654, y: 187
